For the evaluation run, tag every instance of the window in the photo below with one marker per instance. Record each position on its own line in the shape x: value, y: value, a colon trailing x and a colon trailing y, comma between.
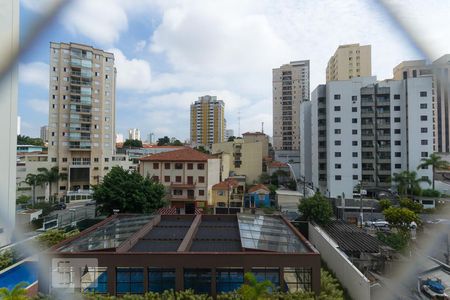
x: 337, y: 131
x: 337, y: 108
x: 424, y: 167
x: 160, y: 280
x: 423, y: 94
x: 337, y: 97
x: 354, y: 143
x: 424, y: 154
x: 337, y: 120
x: 354, y: 154
x: 155, y: 166
x: 177, y: 178
x: 423, y: 118
x: 354, y: 109
x: 62, y: 188
x: 106, y: 159
x: 198, y: 280
x: 167, y: 166
x: 166, y: 178
x: 177, y: 192
x: 398, y: 166
x: 397, y: 143
x: 155, y: 178
x: 337, y: 177
x: 178, y: 166
x: 396, y: 108
x: 200, y: 166
x: 337, y: 143
x: 424, y: 130
x: 95, y: 280
x: 396, y: 96
x: 424, y: 142
x: 423, y: 105
x: 354, y: 120
x: 190, y: 166
x: 397, y: 131
x: 201, y: 192
x: 64, y: 159
x: 298, y: 279
x: 270, y: 274
x: 130, y: 280
x: 337, y: 166
x: 95, y: 159
x: 398, y: 154
x: 53, y: 159
x: 229, y: 279
x: 354, y: 98
x: 397, y: 120
x: 201, y: 179
x: 355, y: 166
x: 354, y: 131
x: 337, y: 154
x: 355, y: 177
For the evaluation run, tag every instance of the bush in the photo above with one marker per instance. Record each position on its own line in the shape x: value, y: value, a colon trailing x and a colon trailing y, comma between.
x: 411, y: 205
x: 397, y: 241
x: 384, y: 204
x: 6, y: 259
x: 54, y: 236
x: 430, y: 193
x: 316, y: 208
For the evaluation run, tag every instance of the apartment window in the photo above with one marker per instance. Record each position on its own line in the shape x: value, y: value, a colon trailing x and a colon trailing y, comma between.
x: 354, y: 143
x: 337, y: 97
x: 337, y: 108
x: 178, y: 192
x: 337, y: 131
x: 354, y: 109
x: 178, y: 166
x: 106, y: 159
x: 397, y: 120
x: 397, y: 131
x: 396, y: 96
x: 167, y: 166
x: 64, y: 159
x: 201, y: 192
x: 354, y: 98
x: 201, y: 179
x: 423, y: 94
x: 177, y: 178
x: 355, y: 177
x: 155, y: 178
x: 354, y: 154
x: 337, y: 166
x: 396, y: 108
x: 398, y: 154
x: 95, y: 159
x: 337, y: 143
x: 166, y: 178
x: 423, y: 105
x: 423, y: 118
x: 200, y: 166
x: 155, y: 166
x: 424, y: 130
x: 62, y: 188
x: 190, y: 166
x: 337, y: 177
x: 424, y: 142
x: 398, y: 166
x: 54, y: 159
x: 337, y: 154
x: 397, y: 143
x: 53, y: 97
x: 424, y: 154
x: 424, y: 167
x: 337, y: 120
x: 354, y: 131
x: 354, y: 120
x: 355, y: 166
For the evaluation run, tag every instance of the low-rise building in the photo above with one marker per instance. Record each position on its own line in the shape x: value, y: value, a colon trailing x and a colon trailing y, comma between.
x: 228, y: 194
x: 258, y: 196
x: 187, y: 174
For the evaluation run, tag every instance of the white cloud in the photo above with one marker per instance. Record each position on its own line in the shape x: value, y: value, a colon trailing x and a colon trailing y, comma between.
x: 140, y: 45
x: 38, y: 105
x: 40, y: 6
x: 132, y: 74
x: 35, y: 73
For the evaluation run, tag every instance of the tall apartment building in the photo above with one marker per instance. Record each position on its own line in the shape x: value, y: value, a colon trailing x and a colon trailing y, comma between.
x: 134, y: 134
x: 439, y: 70
x: 349, y: 61
x: 207, y: 121
x: 44, y: 133
x: 81, y: 113
x: 364, y: 130
x: 9, y: 38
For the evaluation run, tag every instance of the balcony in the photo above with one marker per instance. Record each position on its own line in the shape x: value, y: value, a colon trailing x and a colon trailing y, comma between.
x: 181, y: 185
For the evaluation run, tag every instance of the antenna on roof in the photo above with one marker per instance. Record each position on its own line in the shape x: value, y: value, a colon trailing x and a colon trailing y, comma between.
x: 262, y: 127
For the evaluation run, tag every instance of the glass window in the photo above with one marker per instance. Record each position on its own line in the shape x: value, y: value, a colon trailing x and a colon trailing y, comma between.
x: 190, y: 166
x: 270, y: 274
x: 298, y: 279
x: 155, y: 166
x: 160, y: 280
x: 423, y: 105
x: 201, y: 166
x: 337, y: 96
x: 167, y: 166
x: 229, y: 280
x: 130, y: 280
x: 423, y: 118
x: 178, y: 166
x: 94, y: 280
x: 423, y: 94
x: 198, y: 280
x: 337, y: 120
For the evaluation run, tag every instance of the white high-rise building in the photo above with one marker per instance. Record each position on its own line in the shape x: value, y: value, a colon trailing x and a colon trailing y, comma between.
x: 119, y: 138
x: 364, y: 130
x: 228, y: 133
x: 9, y: 41
x: 44, y: 133
x: 134, y: 134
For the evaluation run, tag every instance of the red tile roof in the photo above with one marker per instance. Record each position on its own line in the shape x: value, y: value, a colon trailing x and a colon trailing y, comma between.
x: 278, y: 164
x: 258, y: 187
x: 226, y: 184
x: 184, y: 154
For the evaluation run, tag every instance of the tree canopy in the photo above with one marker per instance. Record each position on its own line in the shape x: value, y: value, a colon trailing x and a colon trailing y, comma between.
x: 129, y: 192
x: 316, y: 208
x: 26, y: 140
x: 436, y: 162
x: 400, y: 217
x: 408, y: 183
x: 132, y: 143
x: 165, y: 141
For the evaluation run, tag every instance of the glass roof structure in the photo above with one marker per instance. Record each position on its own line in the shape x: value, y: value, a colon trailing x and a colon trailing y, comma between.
x: 109, y: 235
x: 268, y: 233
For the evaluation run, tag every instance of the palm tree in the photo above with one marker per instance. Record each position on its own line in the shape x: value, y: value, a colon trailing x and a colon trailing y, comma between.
x: 17, y: 293
x: 435, y: 161
x: 254, y: 290
x: 33, y: 180
x: 51, y: 176
x: 407, y: 182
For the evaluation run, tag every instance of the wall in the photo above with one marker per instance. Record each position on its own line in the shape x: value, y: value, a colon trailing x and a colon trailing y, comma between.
x: 305, y: 143
x: 357, y: 285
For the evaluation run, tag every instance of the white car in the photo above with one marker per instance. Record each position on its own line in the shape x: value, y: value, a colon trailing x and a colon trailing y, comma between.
x: 377, y: 223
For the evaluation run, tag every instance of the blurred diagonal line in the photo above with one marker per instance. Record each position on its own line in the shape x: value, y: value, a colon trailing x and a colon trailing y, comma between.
x: 53, y: 10
x: 389, y: 7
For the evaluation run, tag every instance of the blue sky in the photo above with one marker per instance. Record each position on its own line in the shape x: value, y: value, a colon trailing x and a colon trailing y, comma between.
x: 170, y: 52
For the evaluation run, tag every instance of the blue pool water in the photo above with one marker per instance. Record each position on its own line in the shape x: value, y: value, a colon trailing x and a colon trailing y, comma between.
x: 25, y: 272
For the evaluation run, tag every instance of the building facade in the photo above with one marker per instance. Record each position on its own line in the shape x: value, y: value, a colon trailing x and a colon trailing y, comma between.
x: 187, y: 174
x: 134, y: 134
x: 350, y: 61
x: 439, y: 70
x: 81, y: 131
x: 207, y: 121
x: 364, y: 131
x: 44, y: 133
x: 9, y: 38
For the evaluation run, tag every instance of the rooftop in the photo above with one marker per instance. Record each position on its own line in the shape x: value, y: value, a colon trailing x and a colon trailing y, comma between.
x: 226, y: 184
x: 258, y: 187
x: 182, y: 155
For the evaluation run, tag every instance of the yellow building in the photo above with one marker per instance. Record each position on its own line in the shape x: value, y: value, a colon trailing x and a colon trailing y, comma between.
x: 207, y: 121
x: 228, y: 193
x: 350, y: 61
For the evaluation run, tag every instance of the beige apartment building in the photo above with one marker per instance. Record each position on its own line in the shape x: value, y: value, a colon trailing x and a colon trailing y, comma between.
x: 439, y: 70
x: 187, y: 174
x: 254, y: 137
x: 290, y: 88
x: 350, y: 61
x: 207, y: 121
x: 81, y: 129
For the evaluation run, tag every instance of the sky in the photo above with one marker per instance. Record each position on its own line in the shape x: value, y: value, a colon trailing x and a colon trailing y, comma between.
x: 170, y: 52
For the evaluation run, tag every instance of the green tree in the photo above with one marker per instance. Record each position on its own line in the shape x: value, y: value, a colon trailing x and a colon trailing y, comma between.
x: 17, y: 293
x: 51, y: 176
x: 400, y: 217
x: 254, y: 290
x: 435, y: 161
x: 316, y: 208
x: 264, y: 178
x: 176, y: 143
x: 23, y: 199
x: 26, y: 140
x: 202, y: 149
x: 163, y: 141
x: 411, y: 205
x: 395, y: 240
x: 34, y: 180
x: 129, y: 192
x: 329, y: 287
x: 384, y: 203
x: 231, y: 138
x: 408, y: 183
x: 54, y: 236
x: 132, y: 143
x: 6, y: 259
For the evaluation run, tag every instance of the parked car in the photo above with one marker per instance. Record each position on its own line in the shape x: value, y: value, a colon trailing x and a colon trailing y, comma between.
x: 377, y: 223
x: 59, y: 206
x: 89, y: 203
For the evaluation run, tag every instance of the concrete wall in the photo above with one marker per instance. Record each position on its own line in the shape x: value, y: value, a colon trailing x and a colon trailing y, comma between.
x: 357, y: 285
